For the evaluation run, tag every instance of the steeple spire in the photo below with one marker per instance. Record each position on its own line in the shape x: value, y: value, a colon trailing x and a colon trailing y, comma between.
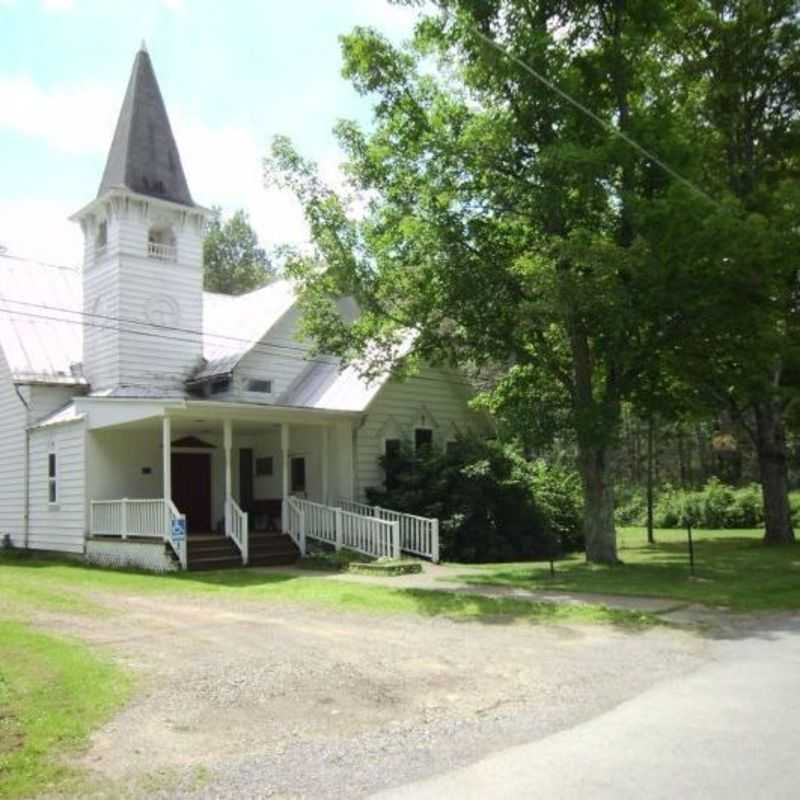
x: 144, y: 157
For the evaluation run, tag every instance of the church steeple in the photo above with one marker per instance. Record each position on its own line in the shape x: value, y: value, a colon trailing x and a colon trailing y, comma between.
x: 144, y: 157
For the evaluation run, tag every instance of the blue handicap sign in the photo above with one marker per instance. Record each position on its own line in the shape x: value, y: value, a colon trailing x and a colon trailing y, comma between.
x: 178, y: 529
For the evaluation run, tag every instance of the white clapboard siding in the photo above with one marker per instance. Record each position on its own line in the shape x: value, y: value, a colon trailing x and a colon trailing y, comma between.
x: 123, y: 282
x: 396, y: 411
x: 44, y: 400
x: 278, y: 357
x: 12, y: 457
x: 60, y: 526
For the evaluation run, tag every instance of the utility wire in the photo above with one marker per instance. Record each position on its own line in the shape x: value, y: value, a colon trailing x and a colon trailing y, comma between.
x: 166, y: 336
x: 589, y: 113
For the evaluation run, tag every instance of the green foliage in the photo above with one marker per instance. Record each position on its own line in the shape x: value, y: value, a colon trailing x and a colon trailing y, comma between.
x: 493, y: 503
x: 233, y: 262
x: 715, y: 506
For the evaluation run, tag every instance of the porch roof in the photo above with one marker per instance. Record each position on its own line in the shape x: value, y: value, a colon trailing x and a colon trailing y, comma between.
x: 111, y: 412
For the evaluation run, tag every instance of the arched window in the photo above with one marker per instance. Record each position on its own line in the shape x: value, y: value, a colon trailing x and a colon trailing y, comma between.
x: 161, y: 243
x: 101, y: 238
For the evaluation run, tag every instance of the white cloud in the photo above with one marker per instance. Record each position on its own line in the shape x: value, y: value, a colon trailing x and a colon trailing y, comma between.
x: 72, y: 119
x: 41, y: 230
x: 224, y: 167
x: 222, y: 164
x: 58, y: 5
x: 394, y: 21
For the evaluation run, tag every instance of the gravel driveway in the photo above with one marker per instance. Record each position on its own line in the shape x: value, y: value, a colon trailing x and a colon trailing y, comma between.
x: 276, y: 701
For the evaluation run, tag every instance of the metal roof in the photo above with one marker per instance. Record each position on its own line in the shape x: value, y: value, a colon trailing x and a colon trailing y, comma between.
x: 41, y: 334
x: 143, y: 156
x: 41, y: 342
x: 233, y: 325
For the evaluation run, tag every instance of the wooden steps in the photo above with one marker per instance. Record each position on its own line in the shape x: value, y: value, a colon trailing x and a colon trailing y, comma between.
x: 214, y: 551
x: 211, y: 551
x: 272, y: 549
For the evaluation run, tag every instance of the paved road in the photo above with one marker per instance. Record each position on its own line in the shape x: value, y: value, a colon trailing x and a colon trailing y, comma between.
x: 729, y: 730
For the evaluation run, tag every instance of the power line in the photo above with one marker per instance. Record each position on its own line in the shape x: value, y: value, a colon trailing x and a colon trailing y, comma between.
x: 599, y: 120
x: 165, y: 336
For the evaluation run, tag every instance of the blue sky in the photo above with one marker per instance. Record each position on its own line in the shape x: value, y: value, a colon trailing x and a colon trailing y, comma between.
x: 233, y: 73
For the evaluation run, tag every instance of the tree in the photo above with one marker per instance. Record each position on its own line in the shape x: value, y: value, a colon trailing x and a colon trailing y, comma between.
x: 735, y: 260
x: 502, y: 222
x: 233, y: 263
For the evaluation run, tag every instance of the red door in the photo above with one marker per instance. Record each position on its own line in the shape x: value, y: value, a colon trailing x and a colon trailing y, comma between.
x: 191, y: 489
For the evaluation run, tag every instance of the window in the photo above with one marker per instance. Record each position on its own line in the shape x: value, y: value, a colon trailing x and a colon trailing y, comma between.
x: 257, y: 385
x: 218, y: 387
x: 264, y: 466
x: 101, y: 240
x: 423, y: 437
x: 161, y: 243
x: 391, y: 448
x: 298, y: 474
x: 52, y: 476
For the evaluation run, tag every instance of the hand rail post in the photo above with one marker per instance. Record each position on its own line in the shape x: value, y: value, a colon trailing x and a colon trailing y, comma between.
x: 435, y: 541
x: 124, y: 518
x: 245, y: 539
x: 396, y: 539
x: 338, y: 523
x: 302, y: 535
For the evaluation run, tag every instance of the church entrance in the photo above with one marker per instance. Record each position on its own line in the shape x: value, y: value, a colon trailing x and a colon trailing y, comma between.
x: 191, y: 489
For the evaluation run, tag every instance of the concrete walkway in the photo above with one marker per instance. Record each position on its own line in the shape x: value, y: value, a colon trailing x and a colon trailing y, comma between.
x: 445, y: 578
x: 729, y: 730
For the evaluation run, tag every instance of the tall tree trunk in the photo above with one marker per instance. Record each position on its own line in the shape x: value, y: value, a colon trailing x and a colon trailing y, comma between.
x: 594, y: 463
x: 770, y: 441
x: 598, y: 424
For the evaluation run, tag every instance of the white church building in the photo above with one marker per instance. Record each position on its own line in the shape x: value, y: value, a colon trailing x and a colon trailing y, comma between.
x: 146, y: 422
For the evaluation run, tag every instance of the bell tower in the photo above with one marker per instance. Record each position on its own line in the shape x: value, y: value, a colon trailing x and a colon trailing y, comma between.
x: 143, y: 253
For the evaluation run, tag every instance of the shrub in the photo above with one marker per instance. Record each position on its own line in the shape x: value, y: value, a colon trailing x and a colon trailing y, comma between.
x: 794, y: 504
x: 493, y: 504
x: 716, y: 505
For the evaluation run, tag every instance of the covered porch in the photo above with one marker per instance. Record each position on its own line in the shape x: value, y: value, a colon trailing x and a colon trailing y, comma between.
x: 213, y: 478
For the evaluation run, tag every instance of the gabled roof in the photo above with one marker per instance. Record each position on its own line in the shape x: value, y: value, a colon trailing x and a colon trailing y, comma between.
x: 144, y: 157
x: 328, y: 387
x: 40, y: 321
x: 233, y: 325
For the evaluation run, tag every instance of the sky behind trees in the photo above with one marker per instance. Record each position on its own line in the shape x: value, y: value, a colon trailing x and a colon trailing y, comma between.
x: 233, y: 75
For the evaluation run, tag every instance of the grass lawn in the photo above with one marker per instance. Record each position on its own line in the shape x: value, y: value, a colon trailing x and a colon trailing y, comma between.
x: 732, y: 568
x: 53, y: 692
x: 48, y: 583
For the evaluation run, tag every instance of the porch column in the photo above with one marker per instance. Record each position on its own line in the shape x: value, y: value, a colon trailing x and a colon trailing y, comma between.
x: 166, y: 446
x: 285, y: 475
x: 227, y: 441
x: 325, y: 465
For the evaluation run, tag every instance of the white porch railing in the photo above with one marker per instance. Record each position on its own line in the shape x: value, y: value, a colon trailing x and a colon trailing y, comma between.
x: 359, y: 532
x: 141, y: 518
x: 295, y: 517
x: 237, y: 528
x: 128, y: 518
x: 162, y: 252
x: 320, y: 520
x: 418, y: 535
x: 369, y: 535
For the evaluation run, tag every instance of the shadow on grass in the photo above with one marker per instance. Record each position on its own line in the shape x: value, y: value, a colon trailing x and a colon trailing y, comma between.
x: 291, y: 585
